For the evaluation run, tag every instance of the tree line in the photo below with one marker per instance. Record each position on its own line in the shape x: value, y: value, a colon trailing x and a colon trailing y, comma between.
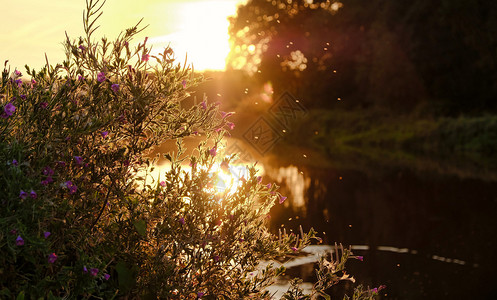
x: 401, y: 55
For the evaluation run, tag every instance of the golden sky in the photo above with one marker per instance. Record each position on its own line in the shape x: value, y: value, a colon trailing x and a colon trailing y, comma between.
x: 31, y: 28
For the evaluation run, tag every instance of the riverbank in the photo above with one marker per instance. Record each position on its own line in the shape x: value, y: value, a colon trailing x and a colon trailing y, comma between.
x: 362, y: 139
x: 462, y: 146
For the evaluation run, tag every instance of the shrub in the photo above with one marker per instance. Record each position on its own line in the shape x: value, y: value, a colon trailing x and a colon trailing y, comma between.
x: 81, y: 218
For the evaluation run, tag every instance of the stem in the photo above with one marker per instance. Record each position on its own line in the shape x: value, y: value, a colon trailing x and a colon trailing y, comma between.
x: 103, y: 206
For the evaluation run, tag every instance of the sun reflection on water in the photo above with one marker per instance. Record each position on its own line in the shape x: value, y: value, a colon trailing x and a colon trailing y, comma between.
x: 227, y: 177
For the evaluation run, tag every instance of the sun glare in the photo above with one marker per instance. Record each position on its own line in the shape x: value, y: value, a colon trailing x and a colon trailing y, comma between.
x: 227, y: 178
x: 202, y: 36
x: 196, y: 28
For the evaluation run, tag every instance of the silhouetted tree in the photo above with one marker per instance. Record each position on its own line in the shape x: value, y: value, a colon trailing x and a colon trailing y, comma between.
x: 383, y: 53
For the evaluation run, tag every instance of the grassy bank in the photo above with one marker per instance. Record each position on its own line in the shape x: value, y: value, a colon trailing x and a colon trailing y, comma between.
x: 464, y: 145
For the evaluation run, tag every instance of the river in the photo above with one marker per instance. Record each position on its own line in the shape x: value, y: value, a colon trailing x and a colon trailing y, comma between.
x: 424, y: 235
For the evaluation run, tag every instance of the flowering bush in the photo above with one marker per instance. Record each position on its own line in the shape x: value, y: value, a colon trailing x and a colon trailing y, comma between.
x: 79, y: 219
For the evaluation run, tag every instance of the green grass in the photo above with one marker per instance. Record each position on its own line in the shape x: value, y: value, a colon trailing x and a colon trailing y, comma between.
x: 462, y: 146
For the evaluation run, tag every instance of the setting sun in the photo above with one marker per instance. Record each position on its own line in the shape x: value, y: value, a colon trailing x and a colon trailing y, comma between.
x: 203, y: 36
x: 196, y: 29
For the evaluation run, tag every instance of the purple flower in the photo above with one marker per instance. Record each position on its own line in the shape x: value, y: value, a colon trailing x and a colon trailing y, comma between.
x: 361, y: 258
x: 104, y: 134
x: 47, y: 180
x: 226, y: 114
x: 78, y: 160
x: 101, y: 77
x: 375, y: 290
x: 81, y: 77
x: 17, y: 73
x: 204, y: 105
x: 33, y: 83
x: 183, y: 83
x: 200, y: 294
x: 182, y: 221
x: 115, y: 87
x: 93, y: 272
x: 19, y: 241
x: 23, y: 97
x: 213, y: 151
x: 47, y: 171
x: 33, y: 194
x: 259, y: 179
x: 216, y: 258
x: 18, y: 82
x: 106, y: 276
x: 71, y: 186
x: 13, y: 231
x: 46, y: 234
x: 14, y: 162
x: 145, y: 57
x: 43, y: 105
x: 9, y: 109
x: 268, y: 185
x: 295, y: 249
x: 82, y: 48
x: 52, y: 258
x: 282, y: 199
x: 85, y: 270
x: 163, y: 183
x: 72, y: 189
x: 231, y: 125
x: 61, y: 163
x: 23, y: 195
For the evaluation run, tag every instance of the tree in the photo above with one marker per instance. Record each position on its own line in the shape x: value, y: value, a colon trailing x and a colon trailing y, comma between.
x: 82, y: 219
x: 376, y: 53
x: 287, y: 43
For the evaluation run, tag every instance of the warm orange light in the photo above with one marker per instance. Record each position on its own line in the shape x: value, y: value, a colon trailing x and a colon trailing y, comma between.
x: 203, y: 34
x: 31, y: 28
x: 230, y: 178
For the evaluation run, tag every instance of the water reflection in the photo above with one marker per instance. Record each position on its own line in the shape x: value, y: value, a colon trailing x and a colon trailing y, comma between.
x: 291, y: 176
x: 311, y: 254
x: 424, y: 235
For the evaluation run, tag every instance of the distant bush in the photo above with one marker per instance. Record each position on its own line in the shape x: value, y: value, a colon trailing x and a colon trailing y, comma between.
x: 80, y: 218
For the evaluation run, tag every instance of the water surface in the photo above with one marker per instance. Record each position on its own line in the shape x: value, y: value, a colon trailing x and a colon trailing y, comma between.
x: 424, y: 234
